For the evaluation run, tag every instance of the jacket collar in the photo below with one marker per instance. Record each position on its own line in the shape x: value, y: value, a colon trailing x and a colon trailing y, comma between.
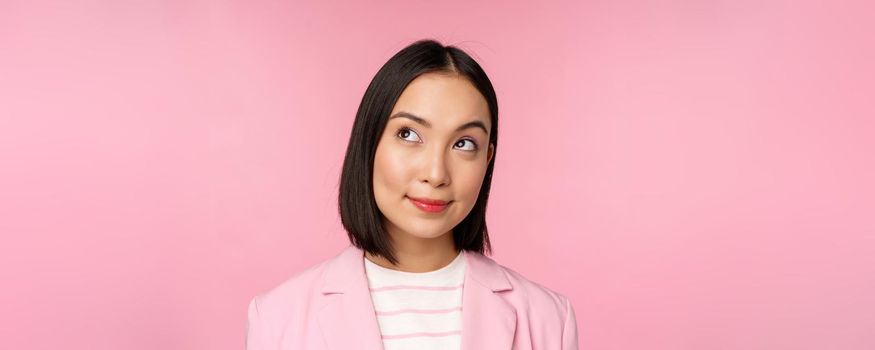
x: 349, y: 320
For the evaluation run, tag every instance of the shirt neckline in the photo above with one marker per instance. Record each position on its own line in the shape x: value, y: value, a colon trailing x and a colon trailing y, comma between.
x: 458, y: 260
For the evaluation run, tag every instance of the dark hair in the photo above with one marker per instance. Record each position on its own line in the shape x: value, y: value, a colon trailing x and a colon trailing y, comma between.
x: 359, y: 214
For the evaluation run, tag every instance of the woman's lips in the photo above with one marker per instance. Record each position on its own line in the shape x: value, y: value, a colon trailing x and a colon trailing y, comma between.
x: 429, y: 205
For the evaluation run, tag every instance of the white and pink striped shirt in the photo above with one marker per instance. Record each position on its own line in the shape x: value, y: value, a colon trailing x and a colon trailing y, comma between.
x: 418, y: 310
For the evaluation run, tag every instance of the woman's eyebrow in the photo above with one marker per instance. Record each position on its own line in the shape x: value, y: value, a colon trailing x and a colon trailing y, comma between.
x: 468, y: 125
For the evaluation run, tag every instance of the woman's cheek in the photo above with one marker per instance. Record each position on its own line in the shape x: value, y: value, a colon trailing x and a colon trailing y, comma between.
x: 473, y: 179
x: 398, y: 164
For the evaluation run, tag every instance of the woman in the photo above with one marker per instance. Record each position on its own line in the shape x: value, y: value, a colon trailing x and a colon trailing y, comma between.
x: 413, y: 196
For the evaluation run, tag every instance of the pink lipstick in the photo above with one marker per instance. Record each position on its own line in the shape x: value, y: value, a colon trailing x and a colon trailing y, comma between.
x: 429, y: 205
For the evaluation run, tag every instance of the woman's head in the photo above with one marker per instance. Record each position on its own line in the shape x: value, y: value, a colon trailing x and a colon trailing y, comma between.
x: 426, y: 128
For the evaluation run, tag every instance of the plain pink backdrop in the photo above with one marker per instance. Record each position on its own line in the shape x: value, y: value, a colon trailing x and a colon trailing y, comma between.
x: 692, y: 174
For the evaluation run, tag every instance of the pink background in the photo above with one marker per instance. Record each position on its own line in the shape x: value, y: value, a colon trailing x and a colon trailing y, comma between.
x: 692, y: 174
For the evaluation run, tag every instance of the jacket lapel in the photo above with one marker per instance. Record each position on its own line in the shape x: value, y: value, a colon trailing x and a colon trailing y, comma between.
x: 488, y: 322
x: 348, y: 320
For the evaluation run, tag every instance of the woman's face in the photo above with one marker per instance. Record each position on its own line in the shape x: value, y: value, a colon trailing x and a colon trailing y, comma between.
x: 433, y: 147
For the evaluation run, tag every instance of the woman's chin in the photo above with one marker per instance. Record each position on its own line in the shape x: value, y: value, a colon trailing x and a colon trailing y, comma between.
x: 427, y: 234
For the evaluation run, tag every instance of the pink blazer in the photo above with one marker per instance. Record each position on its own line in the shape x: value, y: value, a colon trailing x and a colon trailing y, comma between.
x: 328, y: 306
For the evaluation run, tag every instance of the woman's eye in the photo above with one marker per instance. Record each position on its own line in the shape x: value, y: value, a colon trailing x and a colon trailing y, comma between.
x: 405, y: 132
x: 473, y: 144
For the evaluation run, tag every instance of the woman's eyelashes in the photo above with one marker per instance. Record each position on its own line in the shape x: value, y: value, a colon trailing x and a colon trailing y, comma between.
x: 404, y: 132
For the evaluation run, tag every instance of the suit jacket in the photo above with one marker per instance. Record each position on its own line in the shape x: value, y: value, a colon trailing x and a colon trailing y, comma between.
x: 328, y: 307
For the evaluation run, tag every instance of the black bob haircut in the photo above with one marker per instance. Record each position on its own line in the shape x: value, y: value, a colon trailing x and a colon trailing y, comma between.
x: 359, y: 214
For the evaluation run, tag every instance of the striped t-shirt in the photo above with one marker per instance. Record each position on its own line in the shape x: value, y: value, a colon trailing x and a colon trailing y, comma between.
x: 418, y: 310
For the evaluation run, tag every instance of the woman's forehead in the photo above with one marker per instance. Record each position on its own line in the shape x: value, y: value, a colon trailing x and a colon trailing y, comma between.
x: 443, y: 99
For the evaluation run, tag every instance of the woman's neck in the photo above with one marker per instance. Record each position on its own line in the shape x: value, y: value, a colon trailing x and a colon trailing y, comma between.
x: 416, y: 254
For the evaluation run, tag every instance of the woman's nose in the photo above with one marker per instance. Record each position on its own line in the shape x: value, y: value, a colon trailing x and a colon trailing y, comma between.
x: 435, y: 170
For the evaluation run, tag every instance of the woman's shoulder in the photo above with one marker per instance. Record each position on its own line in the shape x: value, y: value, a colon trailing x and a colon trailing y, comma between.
x: 294, y: 288
x: 533, y: 294
x: 539, y: 305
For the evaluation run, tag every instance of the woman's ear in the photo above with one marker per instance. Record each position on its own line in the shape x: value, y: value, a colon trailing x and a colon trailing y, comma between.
x: 490, y: 153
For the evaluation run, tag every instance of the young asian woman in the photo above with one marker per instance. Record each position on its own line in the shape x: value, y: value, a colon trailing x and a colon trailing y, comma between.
x: 412, y: 197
